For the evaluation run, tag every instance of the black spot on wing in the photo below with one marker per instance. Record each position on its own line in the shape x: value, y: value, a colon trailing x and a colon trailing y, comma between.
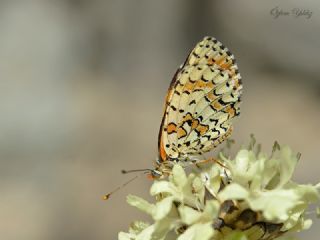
x: 207, y: 136
x: 192, y: 81
x: 207, y: 99
x: 176, y: 92
x: 212, y: 107
x: 203, y: 79
x: 198, y: 90
x: 221, y: 101
x: 196, y: 55
x: 197, y: 132
x: 189, y: 122
x: 217, y: 131
x: 224, y: 128
x: 213, y: 120
x: 192, y: 102
x: 179, y: 83
x: 173, y: 108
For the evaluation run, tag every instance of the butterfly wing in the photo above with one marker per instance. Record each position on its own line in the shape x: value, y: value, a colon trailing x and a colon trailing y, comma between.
x: 203, y: 98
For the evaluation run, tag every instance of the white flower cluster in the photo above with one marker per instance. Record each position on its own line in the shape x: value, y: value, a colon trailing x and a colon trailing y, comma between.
x: 250, y: 197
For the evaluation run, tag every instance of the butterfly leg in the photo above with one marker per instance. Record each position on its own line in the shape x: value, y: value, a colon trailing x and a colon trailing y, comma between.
x: 211, y: 159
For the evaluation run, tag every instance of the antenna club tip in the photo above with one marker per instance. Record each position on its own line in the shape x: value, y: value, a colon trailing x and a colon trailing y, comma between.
x: 106, y: 197
x: 123, y: 171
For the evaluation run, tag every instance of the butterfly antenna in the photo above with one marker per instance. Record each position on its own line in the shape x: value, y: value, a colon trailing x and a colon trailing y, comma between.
x: 144, y: 171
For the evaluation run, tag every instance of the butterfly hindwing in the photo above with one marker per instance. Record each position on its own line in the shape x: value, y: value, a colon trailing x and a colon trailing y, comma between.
x: 203, y: 98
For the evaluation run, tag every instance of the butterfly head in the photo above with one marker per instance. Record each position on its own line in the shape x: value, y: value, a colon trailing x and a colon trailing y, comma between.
x: 155, y: 174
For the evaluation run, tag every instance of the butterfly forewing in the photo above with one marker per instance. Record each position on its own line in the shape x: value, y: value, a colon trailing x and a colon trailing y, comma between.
x: 203, y: 98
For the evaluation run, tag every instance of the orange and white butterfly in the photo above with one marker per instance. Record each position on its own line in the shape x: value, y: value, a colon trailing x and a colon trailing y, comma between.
x: 203, y: 98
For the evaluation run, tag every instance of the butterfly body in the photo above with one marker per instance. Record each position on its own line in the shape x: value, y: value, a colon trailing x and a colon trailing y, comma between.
x: 202, y: 99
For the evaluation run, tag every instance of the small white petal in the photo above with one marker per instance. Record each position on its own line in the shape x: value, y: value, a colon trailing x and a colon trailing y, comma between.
x: 179, y: 177
x: 163, y: 187
x: 233, y: 191
x: 287, y: 161
x: 140, y: 203
x: 126, y: 236
x: 146, y: 234
x: 162, y: 208
x: 189, y: 215
x: 198, y: 232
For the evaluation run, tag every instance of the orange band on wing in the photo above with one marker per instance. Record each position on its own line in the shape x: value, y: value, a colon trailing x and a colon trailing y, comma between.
x: 162, y: 152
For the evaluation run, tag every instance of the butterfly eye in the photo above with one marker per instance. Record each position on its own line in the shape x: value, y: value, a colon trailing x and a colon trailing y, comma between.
x: 156, y: 174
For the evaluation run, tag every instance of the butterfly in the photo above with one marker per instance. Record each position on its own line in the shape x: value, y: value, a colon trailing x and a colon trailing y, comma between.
x: 202, y: 100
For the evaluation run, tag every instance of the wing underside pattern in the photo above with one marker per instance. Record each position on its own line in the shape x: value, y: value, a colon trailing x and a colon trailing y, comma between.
x: 203, y: 98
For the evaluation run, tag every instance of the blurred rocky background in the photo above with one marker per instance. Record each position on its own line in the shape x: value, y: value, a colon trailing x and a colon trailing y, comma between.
x: 82, y: 89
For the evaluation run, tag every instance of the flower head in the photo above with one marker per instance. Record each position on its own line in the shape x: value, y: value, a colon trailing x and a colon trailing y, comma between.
x: 249, y: 197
